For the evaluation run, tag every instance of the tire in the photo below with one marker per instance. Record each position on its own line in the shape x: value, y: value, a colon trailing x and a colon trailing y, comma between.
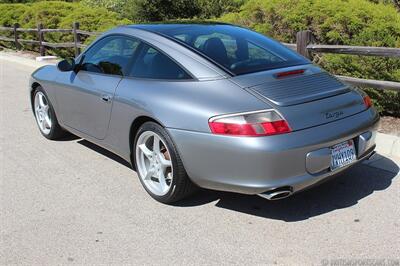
x: 54, y: 130
x: 178, y: 185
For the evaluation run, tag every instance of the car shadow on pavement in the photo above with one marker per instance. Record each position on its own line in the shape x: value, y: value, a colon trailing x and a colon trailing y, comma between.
x: 104, y: 152
x: 69, y: 137
x: 341, y: 192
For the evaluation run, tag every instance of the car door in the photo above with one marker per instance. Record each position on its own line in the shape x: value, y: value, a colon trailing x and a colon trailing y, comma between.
x: 85, y: 98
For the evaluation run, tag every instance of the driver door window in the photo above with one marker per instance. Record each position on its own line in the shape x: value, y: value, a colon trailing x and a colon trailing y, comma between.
x: 85, y: 98
x: 110, y: 56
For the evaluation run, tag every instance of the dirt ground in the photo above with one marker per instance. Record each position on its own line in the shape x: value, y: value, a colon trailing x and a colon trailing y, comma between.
x: 390, y: 125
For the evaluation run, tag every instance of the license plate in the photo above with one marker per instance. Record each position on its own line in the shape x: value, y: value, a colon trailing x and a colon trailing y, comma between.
x: 342, y: 154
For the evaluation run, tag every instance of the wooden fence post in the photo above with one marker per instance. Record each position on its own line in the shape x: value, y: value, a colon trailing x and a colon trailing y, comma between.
x: 17, y: 44
x: 77, y: 39
x: 303, y: 38
x: 41, y: 39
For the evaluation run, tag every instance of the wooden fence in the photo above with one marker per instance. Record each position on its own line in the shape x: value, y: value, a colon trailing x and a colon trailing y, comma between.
x: 304, y: 45
x: 40, y: 32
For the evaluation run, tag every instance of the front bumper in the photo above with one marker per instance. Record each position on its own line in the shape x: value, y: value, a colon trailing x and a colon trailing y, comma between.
x: 253, y: 165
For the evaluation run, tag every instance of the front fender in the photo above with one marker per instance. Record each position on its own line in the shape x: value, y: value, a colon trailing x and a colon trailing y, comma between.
x: 45, y: 77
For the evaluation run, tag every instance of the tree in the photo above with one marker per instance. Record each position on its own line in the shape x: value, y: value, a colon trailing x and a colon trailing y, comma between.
x: 27, y: 1
x: 122, y: 7
x: 158, y: 10
x: 216, y: 8
x: 397, y: 4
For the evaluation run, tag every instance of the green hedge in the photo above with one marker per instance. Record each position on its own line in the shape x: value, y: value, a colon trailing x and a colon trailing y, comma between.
x: 158, y: 10
x: 57, y: 14
x: 351, y: 22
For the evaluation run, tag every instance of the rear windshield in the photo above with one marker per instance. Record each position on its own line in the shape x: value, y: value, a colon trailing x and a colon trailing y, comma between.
x: 239, y: 50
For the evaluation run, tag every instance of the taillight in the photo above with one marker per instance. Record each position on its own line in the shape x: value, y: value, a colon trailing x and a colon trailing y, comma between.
x: 367, y: 101
x: 289, y: 73
x: 253, y: 124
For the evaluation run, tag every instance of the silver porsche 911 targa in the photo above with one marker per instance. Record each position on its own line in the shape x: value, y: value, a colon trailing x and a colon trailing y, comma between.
x: 208, y: 105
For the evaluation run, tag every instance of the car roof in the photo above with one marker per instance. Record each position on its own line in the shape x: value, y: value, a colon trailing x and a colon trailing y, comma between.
x: 161, y: 28
x: 173, y: 31
x: 158, y: 27
x: 176, y: 24
x: 200, y: 67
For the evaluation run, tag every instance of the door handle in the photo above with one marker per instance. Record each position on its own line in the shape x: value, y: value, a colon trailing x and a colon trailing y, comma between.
x: 106, y: 97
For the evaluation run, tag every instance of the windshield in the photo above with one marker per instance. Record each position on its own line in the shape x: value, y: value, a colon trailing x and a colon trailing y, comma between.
x: 234, y: 48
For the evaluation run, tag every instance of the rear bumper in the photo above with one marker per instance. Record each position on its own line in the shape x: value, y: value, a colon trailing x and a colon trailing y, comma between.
x: 253, y: 165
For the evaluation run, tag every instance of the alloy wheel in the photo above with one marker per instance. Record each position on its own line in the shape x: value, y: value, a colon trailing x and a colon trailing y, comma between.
x: 154, y: 163
x: 42, y: 112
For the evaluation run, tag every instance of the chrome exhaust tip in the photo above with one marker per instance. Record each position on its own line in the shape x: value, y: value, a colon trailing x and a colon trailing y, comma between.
x: 277, y: 193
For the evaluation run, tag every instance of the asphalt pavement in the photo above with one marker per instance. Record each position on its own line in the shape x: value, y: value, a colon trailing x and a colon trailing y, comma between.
x: 72, y: 202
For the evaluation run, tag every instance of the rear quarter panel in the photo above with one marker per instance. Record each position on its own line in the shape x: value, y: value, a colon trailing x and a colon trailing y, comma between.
x: 183, y: 105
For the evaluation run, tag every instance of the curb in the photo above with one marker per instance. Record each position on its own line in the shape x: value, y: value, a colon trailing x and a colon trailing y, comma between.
x: 388, y: 145
x: 24, y: 60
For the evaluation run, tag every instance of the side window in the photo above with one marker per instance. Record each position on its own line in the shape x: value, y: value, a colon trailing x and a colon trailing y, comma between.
x: 153, y: 64
x: 258, y: 53
x: 234, y: 53
x: 110, y: 55
x: 222, y: 48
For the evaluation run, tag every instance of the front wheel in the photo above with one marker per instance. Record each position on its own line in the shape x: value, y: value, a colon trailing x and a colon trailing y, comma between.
x: 45, y: 116
x: 159, y: 166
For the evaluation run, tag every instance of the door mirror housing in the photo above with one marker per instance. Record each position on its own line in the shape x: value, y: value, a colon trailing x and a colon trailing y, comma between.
x: 66, y: 65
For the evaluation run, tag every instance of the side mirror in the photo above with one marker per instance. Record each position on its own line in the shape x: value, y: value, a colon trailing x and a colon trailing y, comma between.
x: 66, y: 65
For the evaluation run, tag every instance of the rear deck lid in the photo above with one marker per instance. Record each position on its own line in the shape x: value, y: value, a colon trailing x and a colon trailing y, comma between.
x: 300, y: 88
x: 294, y: 85
x: 322, y: 111
x: 306, y: 98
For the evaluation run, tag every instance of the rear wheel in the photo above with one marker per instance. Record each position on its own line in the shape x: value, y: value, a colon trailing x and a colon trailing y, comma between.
x: 159, y: 166
x: 45, y: 116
